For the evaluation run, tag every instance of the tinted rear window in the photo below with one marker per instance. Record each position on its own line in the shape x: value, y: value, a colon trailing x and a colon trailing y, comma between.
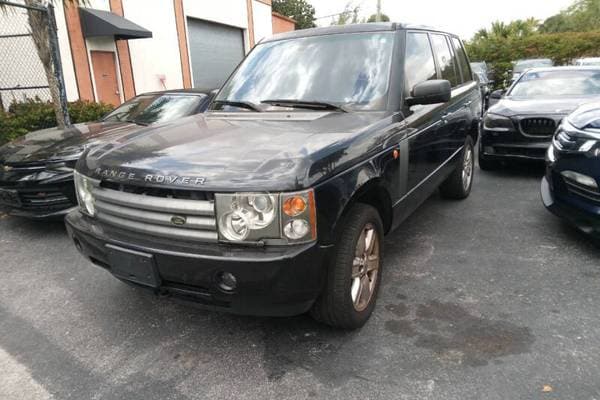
x: 463, y: 63
x: 445, y: 59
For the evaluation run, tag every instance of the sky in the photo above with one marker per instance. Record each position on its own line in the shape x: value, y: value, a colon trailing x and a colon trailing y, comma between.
x: 462, y: 17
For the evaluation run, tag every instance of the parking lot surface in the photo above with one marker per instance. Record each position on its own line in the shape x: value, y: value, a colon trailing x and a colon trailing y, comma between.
x: 488, y: 298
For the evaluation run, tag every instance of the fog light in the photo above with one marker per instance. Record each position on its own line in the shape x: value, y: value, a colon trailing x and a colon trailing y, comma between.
x: 489, y: 150
x: 227, y: 281
x: 580, y: 178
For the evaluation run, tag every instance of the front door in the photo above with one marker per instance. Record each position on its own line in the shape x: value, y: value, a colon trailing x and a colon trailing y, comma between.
x: 105, y: 77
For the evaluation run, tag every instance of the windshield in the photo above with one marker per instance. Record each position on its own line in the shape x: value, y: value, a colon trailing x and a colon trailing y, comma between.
x: 558, y: 84
x: 351, y: 70
x: 152, y: 109
x: 521, y: 66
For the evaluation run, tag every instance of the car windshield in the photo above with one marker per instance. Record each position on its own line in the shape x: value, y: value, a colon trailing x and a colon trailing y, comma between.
x: 558, y: 84
x: 350, y: 70
x: 521, y: 66
x: 152, y: 109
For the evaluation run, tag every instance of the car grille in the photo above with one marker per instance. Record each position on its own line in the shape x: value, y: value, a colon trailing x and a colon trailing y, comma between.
x: 582, y: 191
x: 47, y: 199
x: 538, y: 126
x: 157, y: 215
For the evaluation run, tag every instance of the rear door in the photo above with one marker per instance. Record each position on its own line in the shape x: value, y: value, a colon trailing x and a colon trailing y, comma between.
x: 426, y: 151
x: 452, y: 124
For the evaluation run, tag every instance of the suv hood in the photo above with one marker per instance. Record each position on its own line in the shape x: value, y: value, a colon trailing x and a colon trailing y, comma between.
x: 249, y: 151
x: 511, y: 107
x: 56, y: 144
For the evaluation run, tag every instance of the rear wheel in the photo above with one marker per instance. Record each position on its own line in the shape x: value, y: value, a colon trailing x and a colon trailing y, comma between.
x: 458, y: 185
x: 354, y: 273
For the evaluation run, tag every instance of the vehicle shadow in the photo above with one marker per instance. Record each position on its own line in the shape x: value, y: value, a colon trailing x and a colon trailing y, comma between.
x: 518, y: 169
x: 32, y: 228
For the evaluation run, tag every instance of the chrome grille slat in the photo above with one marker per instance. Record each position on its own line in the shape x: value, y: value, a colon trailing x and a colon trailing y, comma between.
x: 157, y: 230
x: 193, y: 222
x: 173, y: 206
x: 152, y: 215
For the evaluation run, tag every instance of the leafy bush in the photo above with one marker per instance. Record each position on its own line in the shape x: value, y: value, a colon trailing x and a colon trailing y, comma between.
x: 499, y: 51
x: 32, y: 115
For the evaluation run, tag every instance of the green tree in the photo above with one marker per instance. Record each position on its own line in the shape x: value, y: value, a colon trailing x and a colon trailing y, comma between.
x: 299, y: 10
x: 582, y: 16
x: 373, y: 18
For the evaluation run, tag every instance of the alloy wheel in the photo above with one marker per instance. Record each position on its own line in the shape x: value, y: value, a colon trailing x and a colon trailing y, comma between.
x: 365, y: 268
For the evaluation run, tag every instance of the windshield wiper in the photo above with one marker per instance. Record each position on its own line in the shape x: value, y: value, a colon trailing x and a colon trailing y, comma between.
x: 240, y: 104
x: 308, y: 104
x: 133, y: 121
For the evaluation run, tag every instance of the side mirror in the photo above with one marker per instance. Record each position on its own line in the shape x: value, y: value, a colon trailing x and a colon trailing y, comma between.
x: 497, y: 94
x: 430, y: 92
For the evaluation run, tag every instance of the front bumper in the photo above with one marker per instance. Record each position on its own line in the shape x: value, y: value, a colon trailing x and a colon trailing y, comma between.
x: 511, y: 145
x: 586, y: 219
x: 271, y: 281
x: 43, y: 194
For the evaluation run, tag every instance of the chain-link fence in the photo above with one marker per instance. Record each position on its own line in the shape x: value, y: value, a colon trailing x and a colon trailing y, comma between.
x: 30, y: 68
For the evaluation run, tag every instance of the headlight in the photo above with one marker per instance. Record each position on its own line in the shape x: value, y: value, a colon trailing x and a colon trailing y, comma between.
x: 498, y: 123
x: 83, y: 188
x: 254, y: 217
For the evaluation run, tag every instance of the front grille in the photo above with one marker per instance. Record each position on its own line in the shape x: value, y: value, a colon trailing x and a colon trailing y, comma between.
x: 579, y: 190
x: 153, y: 215
x: 46, y: 199
x: 538, y: 126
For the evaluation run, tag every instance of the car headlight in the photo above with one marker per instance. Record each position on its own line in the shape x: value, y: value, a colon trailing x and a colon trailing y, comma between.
x: 498, y: 123
x: 84, y: 187
x: 275, y: 218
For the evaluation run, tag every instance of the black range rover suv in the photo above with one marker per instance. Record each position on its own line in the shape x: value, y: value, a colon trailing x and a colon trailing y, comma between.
x: 276, y: 201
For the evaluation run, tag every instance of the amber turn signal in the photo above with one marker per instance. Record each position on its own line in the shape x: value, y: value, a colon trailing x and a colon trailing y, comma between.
x: 294, y: 206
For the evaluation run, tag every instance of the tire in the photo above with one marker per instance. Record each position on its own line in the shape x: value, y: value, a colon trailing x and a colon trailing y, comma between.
x: 486, y: 164
x: 458, y: 185
x: 340, y: 304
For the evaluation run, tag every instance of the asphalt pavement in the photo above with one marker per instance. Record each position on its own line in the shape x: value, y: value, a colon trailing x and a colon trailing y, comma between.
x: 488, y: 298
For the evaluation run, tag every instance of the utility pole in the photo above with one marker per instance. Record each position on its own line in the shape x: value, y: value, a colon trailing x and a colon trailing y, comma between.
x: 378, y: 19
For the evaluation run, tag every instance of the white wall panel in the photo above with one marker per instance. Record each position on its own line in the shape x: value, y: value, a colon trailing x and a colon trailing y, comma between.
x: 156, y: 62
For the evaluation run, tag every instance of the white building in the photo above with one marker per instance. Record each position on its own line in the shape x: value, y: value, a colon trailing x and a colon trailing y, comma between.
x: 112, y: 50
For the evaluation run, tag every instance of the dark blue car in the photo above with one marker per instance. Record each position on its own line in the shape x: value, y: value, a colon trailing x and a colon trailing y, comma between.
x: 570, y: 188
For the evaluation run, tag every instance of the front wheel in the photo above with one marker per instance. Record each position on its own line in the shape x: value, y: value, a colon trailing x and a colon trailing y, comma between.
x: 354, y: 274
x: 458, y: 185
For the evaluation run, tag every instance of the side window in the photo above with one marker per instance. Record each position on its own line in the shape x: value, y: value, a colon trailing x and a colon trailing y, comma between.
x: 463, y: 62
x: 445, y: 59
x: 419, y: 65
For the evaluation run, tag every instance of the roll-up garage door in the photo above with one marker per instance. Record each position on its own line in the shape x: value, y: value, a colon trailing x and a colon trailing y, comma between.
x: 215, y: 52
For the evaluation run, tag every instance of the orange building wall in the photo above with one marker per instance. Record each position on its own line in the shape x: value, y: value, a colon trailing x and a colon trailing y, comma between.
x: 282, y: 23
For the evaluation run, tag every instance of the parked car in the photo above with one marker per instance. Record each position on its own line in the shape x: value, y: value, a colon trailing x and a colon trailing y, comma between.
x: 481, y: 67
x: 36, y: 171
x: 588, y: 62
x: 277, y: 200
x: 521, y: 125
x: 521, y: 66
x: 570, y: 187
